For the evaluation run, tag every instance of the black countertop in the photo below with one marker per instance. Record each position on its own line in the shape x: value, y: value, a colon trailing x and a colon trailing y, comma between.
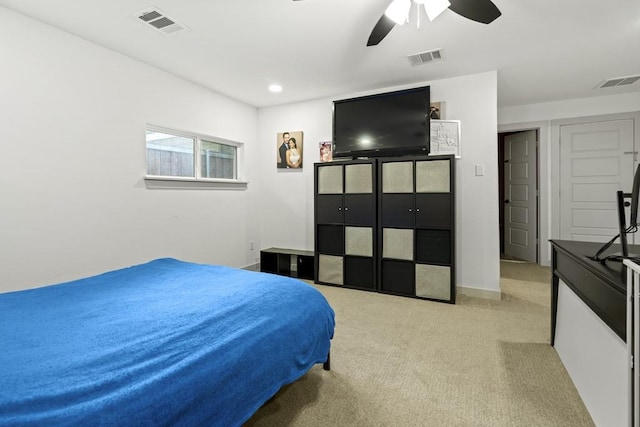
x: 611, y: 271
x: 602, y: 286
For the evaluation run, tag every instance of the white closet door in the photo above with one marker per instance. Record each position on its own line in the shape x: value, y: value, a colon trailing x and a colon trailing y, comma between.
x: 596, y: 160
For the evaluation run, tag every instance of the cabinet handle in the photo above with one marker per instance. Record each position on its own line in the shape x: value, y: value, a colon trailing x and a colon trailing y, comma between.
x: 346, y: 208
x: 410, y: 210
x: 418, y: 210
x: 339, y: 208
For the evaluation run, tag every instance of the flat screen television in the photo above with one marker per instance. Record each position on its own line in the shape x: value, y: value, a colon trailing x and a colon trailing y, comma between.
x: 385, y: 124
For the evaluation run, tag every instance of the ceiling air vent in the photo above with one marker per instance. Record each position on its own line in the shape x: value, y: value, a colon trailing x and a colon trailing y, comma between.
x: 159, y: 20
x: 618, y: 81
x: 425, y: 57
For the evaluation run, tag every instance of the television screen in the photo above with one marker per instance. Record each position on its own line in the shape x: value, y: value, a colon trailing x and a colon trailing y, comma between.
x: 624, y: 228
x: 635, y: 195
x: 385, y: 124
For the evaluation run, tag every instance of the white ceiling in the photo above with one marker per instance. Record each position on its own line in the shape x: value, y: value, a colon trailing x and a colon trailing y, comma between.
x: 543, y: 50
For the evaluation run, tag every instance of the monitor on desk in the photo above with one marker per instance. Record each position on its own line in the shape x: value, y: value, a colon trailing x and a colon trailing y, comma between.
x: 623, y: 227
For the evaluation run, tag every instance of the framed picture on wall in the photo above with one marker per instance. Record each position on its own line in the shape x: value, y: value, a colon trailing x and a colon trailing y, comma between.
x: 445, y: 137
x: 326, y: 151
x: 289, y: 150
x: 436, y: 110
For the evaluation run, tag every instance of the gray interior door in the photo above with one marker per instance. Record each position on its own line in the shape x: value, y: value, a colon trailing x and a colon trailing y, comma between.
x: 520, y: 198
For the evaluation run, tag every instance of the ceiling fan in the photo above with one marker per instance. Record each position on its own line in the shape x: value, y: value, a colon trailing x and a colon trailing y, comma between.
x: 397, y: 13
x: 483, y: 11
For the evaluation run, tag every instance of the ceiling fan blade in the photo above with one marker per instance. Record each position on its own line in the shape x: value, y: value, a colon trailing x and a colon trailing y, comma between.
x: 380, y: 30
x: 483, y: 11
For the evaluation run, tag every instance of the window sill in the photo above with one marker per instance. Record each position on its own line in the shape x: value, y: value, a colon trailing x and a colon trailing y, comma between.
x: 173, y: 183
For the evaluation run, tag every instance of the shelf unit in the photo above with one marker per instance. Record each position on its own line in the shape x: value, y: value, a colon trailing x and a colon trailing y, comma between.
x: 387, y: 225
x: 288, y: 262
x: 345, y: 205
x: 416, y: 218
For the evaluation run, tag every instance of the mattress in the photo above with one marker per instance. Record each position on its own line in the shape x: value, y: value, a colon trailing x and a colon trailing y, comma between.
x: 162, y: 343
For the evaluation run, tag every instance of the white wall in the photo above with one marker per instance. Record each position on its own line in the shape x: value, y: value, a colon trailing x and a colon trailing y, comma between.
x: 569, y: 108
x: 544, y: 116
x: 287, y: 195
x: 73, y: 201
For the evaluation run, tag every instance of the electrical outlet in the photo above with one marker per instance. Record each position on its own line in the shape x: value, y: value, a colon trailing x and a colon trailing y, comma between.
x: 251, y: 244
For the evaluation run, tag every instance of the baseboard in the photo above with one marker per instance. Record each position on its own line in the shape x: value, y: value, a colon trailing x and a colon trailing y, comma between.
x: 479, y: 293
x: 253, y: 267
x: 470, y: 292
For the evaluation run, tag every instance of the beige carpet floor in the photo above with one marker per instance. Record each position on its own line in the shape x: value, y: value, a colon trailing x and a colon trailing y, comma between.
x: 407, y: 362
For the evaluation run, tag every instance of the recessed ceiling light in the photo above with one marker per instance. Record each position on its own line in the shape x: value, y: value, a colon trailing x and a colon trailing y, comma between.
x: 275, y: 88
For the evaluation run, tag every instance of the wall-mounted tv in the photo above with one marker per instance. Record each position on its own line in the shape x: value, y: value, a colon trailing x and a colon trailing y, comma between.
x: 385, y: 124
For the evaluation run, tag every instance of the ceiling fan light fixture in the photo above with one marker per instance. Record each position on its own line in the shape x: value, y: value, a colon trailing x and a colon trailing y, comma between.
x: 398, y: 11
x: 435, y: 7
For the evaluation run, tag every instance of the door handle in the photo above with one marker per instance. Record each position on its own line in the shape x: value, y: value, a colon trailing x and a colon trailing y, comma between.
x: 507, y: 201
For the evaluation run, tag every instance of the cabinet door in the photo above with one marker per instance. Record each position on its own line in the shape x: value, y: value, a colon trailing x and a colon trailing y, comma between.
x: 329, y: 208
x: 433, y: 210
x: 397, y: 210
x: 359, y: 209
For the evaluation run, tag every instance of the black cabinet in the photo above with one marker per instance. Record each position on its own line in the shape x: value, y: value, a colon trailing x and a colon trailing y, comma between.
x: 288, y: 262
x: 387, y: 225
x: 345, y: 218
x: 416, y: 227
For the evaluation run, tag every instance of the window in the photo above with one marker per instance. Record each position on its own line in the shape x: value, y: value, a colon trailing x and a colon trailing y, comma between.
x: 174, y: 155
x: 217, y: 160
x: 169, y: 155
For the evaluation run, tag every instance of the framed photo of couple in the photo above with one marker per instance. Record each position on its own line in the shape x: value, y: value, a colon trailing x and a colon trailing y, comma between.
x: 289, y: 150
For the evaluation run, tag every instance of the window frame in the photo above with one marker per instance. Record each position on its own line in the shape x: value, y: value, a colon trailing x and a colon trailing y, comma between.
x: 198, y: 181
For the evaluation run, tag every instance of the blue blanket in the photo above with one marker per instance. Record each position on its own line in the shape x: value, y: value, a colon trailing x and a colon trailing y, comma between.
x: 162, y: 343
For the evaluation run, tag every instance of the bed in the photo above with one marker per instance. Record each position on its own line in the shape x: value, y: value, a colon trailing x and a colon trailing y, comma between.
x: 162, y: 343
